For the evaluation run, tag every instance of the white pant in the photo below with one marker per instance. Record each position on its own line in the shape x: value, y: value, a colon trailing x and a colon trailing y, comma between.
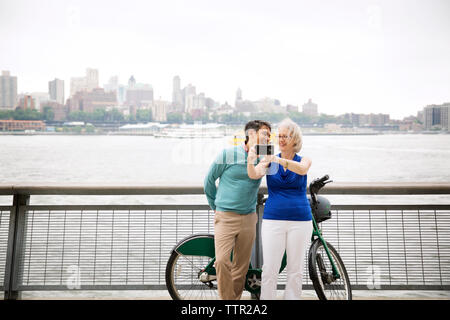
x: 278, y: 236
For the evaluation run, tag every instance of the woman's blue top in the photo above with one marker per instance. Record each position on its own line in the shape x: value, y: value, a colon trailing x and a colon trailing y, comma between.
x: 287, y: 194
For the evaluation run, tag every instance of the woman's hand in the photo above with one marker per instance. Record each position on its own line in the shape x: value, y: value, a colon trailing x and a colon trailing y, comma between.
x: 272, y: 158
x: 265, y: 161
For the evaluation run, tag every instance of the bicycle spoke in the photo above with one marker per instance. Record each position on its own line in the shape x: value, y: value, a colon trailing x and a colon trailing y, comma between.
x: 337, y: 290
x: 186, y: 278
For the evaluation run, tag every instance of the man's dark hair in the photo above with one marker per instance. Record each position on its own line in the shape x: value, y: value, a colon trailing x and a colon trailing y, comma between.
x: 255, y: 125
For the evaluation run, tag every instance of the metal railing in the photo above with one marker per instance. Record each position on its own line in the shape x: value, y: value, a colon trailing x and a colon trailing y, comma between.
x: 126, y: 247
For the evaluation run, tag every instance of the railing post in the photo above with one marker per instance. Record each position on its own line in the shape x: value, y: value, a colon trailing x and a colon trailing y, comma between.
x: 257, y: 258
x: 15, y: 233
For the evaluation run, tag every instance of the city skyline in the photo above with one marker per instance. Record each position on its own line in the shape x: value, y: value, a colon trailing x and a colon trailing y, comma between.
x: 357, y: 56
x: 90, y: 84
x: 94, y: 103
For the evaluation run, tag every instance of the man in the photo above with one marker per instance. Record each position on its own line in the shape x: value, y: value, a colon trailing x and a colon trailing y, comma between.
x: 234, y: 204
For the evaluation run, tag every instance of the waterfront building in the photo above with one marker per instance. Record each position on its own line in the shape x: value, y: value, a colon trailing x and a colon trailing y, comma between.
x: 238, y: 97
x: 138, y: 94
x: 437, y: 116
x: 310, y: 108
x: 60, y: 111
x: 88, y: 101
x: 56, y: 90
x: 112, y: 84
x: 21, y: 125
x: 291, y: 108
x: 266, y: 105
x: 8, y: 91
x: 378, y: 119
x: 159, y: 110
x: 27, y: 102
x: 39, y: 99
x: 177, y: 95
x: 87, y: 83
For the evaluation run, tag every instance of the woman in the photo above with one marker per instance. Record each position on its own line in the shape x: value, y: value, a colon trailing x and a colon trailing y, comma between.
x: 287, y: 214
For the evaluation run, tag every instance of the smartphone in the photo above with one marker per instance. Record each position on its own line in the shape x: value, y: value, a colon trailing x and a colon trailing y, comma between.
x: 264, y: 149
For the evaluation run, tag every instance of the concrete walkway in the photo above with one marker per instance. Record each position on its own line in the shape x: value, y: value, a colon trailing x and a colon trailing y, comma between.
x: 163, y: 295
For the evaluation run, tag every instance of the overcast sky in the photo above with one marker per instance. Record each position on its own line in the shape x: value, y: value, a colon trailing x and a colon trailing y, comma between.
x: 348, y: 56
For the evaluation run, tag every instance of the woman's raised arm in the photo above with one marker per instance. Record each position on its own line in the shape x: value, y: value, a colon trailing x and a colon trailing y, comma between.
x: 300, y: 168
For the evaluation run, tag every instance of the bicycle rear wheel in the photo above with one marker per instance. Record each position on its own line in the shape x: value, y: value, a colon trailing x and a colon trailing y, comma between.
x: 325, y: 284
x: 185, y: 275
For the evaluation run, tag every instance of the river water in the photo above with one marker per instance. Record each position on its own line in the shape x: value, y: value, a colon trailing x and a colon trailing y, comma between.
x: 106, y: 159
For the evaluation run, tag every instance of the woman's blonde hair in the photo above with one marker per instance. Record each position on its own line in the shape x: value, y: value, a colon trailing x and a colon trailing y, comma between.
x: 294, y: 132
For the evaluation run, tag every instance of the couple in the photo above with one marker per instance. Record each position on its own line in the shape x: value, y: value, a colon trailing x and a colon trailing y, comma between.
x: 287, y: 214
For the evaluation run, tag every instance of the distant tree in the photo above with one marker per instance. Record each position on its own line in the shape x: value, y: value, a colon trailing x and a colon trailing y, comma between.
x: 98, y: 115
x: 205, y: 117
x: 114, y: 115
x: 7, y: 114
x: 225, y: 118
x: 175, y: 117
x: 48, y: 113
x: 325, y: 118
x: 300, y: 117
x: 215, y: 117
x: 188, y: 118
x: 27, y: 114
x: 144, y: 115
x: 78, y: 116
x: 268, y: 116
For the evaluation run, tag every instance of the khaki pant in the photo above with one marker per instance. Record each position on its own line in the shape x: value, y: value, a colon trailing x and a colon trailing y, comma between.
x: 233, y: 232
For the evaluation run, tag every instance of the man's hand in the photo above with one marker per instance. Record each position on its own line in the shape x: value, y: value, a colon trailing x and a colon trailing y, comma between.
x: 252, y: 156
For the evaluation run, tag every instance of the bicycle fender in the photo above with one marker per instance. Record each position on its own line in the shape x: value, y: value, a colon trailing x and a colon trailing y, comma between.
x: 196, y: 245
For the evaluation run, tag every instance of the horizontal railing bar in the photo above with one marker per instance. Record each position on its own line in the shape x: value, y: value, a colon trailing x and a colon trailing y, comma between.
x: 391, y: 207
x: 92, y: 287
x: 386, y: 188
x: 122, y: 207
x: 400, y: 207
x: 163, y: 287
x: 341, y: 188
x: 382, y: 287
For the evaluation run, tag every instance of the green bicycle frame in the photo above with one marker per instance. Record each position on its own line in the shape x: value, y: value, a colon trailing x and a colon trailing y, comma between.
x: 318, y: 234
x: 205, y: 247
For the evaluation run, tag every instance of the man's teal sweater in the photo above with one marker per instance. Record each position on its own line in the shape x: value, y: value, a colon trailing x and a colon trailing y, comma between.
x: 236, y: 191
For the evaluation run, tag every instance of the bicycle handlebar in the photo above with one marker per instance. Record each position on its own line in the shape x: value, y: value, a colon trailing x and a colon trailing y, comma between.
x: 318, y: 184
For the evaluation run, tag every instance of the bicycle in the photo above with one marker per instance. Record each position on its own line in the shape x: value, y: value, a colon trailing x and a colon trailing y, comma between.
x: 190, y: 272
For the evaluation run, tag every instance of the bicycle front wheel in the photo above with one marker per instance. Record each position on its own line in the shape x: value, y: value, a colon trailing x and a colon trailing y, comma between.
x: 321, y: 274
x: 186, y: 278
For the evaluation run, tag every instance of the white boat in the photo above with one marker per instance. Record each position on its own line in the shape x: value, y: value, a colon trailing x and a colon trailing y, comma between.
x: 193, y: 131
x: 188, y: 133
